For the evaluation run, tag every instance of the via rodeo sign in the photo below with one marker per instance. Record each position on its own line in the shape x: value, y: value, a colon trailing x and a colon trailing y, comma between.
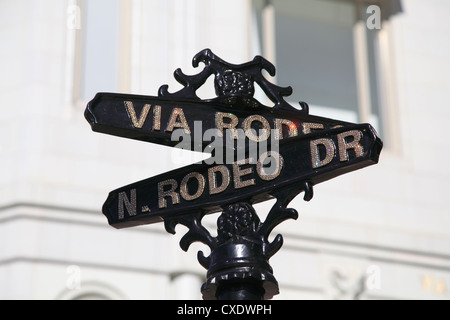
x: 256, y: 150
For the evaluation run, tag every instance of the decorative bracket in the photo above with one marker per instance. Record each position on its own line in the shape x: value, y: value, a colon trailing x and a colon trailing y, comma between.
x: 231, y: 81
x: 241, y: 250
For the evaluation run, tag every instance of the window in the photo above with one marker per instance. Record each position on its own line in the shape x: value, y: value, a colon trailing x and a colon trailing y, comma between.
x: 327, y: 53
x: 101, y: 49
x: 314, y: 54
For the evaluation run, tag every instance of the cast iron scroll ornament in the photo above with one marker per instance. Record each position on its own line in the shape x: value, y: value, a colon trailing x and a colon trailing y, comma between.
x: 238, y: 266
x: 231, y: 80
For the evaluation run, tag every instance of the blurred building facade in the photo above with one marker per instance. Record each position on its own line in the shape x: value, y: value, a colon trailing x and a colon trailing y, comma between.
x: 379, y: 233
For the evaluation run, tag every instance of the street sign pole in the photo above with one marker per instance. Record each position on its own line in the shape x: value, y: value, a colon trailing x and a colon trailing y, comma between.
x: 258, y: 153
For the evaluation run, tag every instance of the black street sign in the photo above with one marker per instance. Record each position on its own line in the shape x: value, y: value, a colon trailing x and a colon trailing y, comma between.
x: 242, y: 135
x: 257, y: 153
x: 167, y: 117
x: 163, y: 120
x: 202, y: 187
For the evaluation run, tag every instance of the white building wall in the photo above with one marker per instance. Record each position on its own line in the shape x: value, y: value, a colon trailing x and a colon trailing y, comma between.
x: 388, y: 222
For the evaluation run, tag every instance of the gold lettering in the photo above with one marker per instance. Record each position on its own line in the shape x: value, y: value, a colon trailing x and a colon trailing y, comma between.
x: 279, y: 123
x: 137, y: 123
x: 124, y: 202
x: 157, y: 118
x: 162, y: 203
x: 184, y: 188
x: 225, y: 173
x: 220, y: 124
x: 261, y: 170
x: 177, y: 113
x: 250, y: 133
x: 330, y: 149
x: 354, y: 144
x: 307, y: 126
x: 238, y: 173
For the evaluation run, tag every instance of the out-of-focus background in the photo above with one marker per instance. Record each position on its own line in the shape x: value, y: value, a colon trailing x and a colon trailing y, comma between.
x: 378, y: 233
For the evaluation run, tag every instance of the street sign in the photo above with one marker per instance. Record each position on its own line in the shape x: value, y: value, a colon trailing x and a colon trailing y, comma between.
x: 169, y: 116
x: 257, y: 152
x: 163, y: 120
x: 306, y: 148
x: 311, y: 158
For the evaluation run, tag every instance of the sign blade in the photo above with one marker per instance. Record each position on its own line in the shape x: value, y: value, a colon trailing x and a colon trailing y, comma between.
x: 316, y: 157
x: 155, y: 119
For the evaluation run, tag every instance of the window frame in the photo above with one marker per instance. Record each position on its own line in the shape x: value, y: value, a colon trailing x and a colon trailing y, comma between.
x: 265, y: 30
x: 75, y: 44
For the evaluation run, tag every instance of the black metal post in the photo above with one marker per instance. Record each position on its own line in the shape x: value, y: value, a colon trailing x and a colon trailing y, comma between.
x: 238, y: 267
x: 240, y: 290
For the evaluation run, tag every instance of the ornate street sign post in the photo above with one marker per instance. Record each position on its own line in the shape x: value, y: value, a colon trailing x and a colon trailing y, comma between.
x: 258, y: 153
